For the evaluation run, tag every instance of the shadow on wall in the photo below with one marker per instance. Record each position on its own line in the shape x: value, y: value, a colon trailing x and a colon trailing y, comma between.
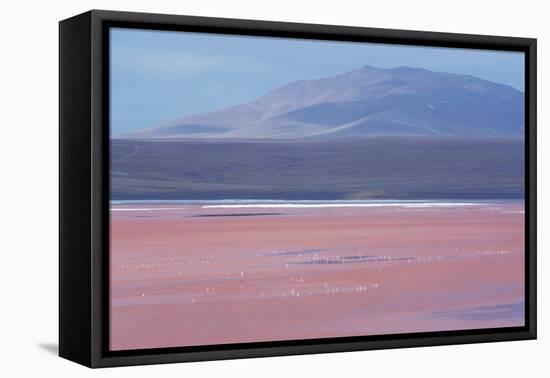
x: 51, y: 348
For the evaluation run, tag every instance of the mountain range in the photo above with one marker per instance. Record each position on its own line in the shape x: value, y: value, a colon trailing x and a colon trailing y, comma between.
x: 369, y: 101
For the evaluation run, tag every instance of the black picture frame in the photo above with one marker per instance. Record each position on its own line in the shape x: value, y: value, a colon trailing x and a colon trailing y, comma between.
x: 84, y: 188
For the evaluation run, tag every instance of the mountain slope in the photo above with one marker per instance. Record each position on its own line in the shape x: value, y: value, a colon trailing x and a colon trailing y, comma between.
x: 368, y: 101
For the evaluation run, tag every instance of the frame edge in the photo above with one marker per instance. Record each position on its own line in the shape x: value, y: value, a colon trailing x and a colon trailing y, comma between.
x: 75, y: 334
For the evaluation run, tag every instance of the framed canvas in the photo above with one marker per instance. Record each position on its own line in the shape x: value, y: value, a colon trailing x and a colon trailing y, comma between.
x: 235, y: 188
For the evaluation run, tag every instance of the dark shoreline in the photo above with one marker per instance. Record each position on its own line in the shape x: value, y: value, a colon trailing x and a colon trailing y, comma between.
x: 386, y: 168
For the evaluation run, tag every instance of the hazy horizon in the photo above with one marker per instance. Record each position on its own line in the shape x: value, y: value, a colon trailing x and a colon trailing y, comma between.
x: 151, y: 70
x: 312, y: 138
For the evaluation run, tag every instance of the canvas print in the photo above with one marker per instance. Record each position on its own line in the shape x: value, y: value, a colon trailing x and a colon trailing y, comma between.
x: 269, y: 189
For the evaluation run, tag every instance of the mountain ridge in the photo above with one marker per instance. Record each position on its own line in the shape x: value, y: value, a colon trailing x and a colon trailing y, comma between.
x: 369, y: 101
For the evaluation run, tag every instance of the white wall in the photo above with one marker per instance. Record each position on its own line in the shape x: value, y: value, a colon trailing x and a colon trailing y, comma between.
x: 28, y: 153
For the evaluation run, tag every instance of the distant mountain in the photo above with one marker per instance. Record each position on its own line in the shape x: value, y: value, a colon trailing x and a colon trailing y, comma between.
x: 369, y: 101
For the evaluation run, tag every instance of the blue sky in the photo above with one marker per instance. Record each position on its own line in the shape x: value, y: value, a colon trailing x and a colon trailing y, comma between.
x: 157, y: 76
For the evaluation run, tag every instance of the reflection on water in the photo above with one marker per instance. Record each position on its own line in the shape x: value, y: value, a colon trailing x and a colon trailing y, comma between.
x: 313, y: 272
x: 497, y: 312
x: 234, y: 215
